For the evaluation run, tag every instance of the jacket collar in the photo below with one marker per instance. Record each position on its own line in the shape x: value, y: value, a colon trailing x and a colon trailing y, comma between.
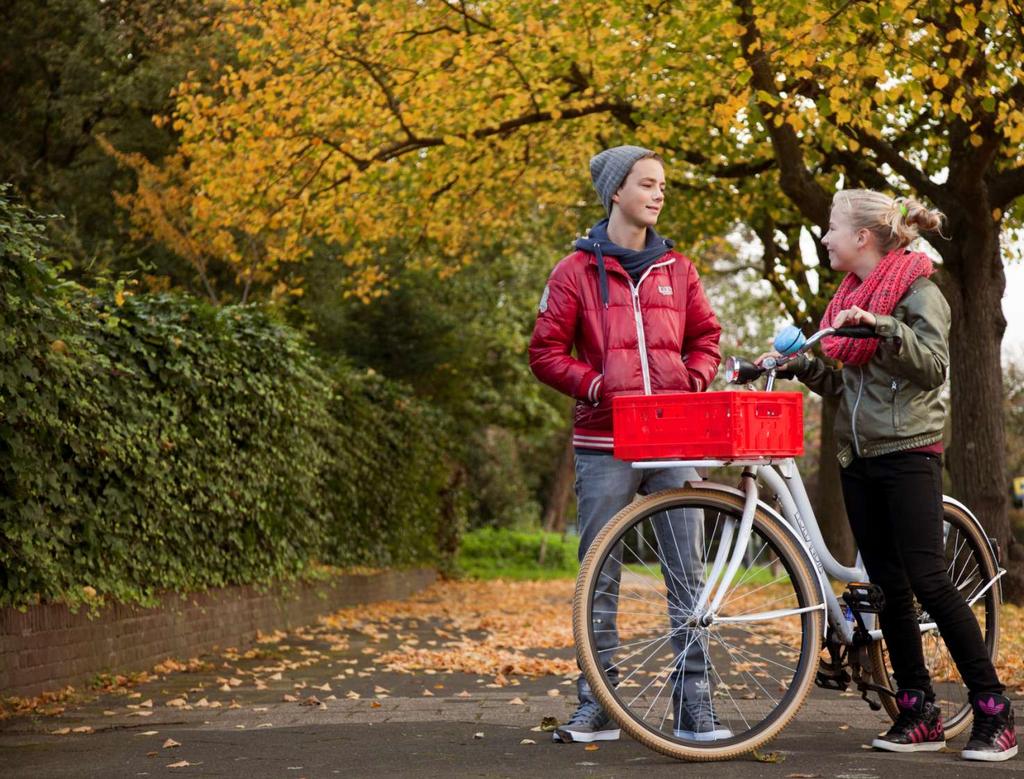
x: 613, y: 264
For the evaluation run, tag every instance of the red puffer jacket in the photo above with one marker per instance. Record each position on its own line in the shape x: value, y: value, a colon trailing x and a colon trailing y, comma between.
x: 660, y: 336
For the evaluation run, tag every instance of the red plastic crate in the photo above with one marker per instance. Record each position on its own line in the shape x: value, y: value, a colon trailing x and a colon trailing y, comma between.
x: 708, y: 425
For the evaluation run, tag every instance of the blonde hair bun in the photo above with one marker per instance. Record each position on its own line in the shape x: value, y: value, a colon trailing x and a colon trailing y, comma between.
x: 895, y: 222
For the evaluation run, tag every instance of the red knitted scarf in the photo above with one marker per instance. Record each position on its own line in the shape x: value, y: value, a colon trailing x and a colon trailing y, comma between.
x: 878, y: 293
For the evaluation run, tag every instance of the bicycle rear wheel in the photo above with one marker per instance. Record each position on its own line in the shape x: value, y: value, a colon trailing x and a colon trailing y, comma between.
x: 659, y: 663
x: 972, y: 568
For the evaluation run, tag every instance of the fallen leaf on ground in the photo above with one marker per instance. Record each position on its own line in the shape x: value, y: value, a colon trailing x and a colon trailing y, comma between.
x: 171, y: 743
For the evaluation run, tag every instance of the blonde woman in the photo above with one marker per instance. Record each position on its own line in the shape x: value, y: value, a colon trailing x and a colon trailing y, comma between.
x: 889, y: 427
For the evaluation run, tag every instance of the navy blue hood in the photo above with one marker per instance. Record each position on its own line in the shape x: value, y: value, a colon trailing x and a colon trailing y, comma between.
x: 633, y: 261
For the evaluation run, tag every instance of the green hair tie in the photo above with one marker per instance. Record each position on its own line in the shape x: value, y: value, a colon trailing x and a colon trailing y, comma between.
x: 903, y: 209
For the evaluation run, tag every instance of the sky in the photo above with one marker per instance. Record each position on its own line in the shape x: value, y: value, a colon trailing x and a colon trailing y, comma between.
x: 1013, y: 310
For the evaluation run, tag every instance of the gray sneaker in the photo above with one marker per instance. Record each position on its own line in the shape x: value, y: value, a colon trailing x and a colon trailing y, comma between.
x: 694, y: 712
x: 588, y: 723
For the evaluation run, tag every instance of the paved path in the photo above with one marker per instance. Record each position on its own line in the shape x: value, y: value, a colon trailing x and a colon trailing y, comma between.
x: 231, y: 718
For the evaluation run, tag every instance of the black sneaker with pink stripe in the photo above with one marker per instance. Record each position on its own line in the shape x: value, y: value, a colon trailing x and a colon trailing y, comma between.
x: 918, y: 728
x: 993, y: 737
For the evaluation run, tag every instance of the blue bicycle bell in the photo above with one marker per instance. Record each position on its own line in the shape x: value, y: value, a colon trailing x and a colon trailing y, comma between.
x: 789, y: 340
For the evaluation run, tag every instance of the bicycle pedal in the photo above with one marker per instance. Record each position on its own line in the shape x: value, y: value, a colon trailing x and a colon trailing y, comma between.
x: 827, y: 682
x: 832, y: 677
x: 864, y: 597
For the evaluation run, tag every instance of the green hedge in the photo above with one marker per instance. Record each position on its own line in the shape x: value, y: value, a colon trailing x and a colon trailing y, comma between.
x: 490, y: 553
x: 154, y: 442
x: 385, y: 476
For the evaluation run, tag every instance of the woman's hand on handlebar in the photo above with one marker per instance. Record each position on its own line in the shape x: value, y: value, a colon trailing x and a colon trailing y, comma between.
x: 853, y: 316
x: 778, y: 358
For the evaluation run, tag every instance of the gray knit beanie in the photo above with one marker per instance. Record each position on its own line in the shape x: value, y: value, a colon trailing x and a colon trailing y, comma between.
x: 609, y: 169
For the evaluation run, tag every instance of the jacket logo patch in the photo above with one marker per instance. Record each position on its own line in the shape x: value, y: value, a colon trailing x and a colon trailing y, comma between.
x: 665, y: 290
x: 543, y: 306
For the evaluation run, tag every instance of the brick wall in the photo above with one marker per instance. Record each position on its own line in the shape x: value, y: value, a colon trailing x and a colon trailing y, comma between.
x: 48, y: 647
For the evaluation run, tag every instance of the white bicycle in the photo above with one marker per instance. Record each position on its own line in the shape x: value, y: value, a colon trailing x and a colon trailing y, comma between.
x: 761, y: 601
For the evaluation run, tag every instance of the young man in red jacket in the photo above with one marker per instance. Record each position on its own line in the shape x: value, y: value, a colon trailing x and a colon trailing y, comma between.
x: 635, y: 313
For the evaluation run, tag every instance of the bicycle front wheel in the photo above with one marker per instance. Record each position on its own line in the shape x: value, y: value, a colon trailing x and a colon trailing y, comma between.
x: 692, y: 665
x: 972, y: 568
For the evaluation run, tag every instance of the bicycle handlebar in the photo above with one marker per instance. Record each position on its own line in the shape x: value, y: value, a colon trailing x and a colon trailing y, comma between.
x: 741, y: 371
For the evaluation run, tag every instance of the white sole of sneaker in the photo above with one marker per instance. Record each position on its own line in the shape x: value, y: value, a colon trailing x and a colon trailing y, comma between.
x: 989, y: 757
x: 888, y: 746
x: 711, y: 735
x: 574, y: 737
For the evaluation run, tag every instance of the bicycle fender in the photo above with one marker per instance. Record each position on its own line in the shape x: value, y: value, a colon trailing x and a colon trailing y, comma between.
x: 994, y: 552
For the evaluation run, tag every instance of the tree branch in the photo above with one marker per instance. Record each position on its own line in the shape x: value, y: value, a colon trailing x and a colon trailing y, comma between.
x: 795, y: 179
x: 733, y: 170
x: 1006, y: 186
x: 903, y: 167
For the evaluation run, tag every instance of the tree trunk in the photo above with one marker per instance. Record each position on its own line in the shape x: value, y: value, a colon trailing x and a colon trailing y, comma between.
x: 449, y: 529
x: 976, y: 456
x: 828, y: 497
x: 555, y: 512
x: 561, y: 490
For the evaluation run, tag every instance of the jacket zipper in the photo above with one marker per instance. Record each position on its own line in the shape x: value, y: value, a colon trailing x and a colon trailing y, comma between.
x: 641, y: 341
x: 895, y: 406
x: 856, y: 404
x: 638, y: 318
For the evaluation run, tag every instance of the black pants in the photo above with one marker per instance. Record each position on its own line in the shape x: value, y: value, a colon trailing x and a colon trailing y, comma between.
x: 894, y: 503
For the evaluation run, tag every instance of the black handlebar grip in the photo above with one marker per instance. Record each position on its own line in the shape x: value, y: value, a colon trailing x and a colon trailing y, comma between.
x: 857, y: 331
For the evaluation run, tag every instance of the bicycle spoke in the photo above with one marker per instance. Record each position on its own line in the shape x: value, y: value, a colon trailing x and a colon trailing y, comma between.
x: 650, y: 648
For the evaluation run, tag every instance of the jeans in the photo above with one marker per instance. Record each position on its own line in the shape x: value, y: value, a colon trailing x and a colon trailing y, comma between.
x: 604, y: 486
x: 894, y: 503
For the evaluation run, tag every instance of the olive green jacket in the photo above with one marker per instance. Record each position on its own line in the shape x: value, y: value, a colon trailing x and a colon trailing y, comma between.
x: 895, y: 401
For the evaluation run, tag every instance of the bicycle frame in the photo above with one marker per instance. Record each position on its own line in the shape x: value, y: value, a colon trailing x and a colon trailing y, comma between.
x: 782, y: 477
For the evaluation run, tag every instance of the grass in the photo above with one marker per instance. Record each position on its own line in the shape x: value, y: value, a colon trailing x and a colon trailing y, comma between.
x: 490, y: 553
x: 748, y: 576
